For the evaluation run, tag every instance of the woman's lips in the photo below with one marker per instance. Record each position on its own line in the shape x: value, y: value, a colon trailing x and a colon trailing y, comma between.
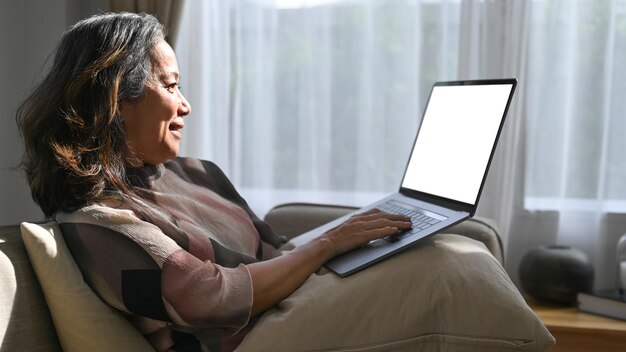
x: 175, y: 127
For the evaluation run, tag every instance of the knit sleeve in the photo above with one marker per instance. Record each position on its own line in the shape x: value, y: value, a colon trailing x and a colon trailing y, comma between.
x: 135, y: 267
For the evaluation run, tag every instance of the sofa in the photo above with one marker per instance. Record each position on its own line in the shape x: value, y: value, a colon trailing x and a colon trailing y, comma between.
x: 31, y: 320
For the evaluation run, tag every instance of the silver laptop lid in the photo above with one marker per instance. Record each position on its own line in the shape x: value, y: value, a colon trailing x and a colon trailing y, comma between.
x: 456, y: 141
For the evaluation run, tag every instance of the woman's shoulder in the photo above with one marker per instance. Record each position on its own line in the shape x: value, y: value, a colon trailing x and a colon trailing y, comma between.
x: 102, y: 218
x: 114, y: 236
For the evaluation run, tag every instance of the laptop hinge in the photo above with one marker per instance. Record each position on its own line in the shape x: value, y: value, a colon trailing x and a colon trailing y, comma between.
x: 443, y: 202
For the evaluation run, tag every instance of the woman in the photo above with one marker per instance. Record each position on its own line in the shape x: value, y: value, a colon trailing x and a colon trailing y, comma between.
x: 166, y: 240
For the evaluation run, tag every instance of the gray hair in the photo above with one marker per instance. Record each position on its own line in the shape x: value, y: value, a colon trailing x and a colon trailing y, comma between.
x: 75, y: 141
x: 91, y: 39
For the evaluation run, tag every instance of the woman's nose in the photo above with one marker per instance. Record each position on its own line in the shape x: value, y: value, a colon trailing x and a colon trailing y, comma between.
x: 184, y: 108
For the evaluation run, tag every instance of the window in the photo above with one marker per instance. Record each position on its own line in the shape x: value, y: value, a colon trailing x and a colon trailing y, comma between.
x: 576, y: 106
x: 325, y: 95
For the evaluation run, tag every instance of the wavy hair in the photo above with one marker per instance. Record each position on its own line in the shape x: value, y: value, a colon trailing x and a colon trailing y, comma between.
x: 75, y: 143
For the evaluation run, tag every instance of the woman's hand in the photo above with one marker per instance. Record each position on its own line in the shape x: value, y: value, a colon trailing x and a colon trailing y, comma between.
x: 363, y: 228
x: 277, y: 278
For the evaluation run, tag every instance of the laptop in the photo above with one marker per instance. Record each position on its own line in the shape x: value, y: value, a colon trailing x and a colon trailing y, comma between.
x: 446, y: 170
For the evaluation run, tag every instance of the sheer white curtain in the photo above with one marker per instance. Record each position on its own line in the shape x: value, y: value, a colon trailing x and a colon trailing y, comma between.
x: 312, y: 100
x: 575, y: 189
x: 319, y: 100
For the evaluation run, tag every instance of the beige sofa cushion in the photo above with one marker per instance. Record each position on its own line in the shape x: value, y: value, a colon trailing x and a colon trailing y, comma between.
x: 82, y: 321
x: 447, y: 293
x: 458, y: 299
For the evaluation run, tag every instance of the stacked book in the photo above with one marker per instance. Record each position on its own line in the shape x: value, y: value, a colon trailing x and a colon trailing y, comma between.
x: 610, y: 303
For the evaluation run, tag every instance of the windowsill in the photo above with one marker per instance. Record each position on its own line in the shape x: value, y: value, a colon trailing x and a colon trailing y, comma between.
x: 574, y: 205
x: 263, y: 200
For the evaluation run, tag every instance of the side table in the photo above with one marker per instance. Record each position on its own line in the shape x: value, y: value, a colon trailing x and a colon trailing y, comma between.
x: 577, y: 331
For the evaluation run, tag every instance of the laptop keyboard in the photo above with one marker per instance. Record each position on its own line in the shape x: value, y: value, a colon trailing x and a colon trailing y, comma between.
x: 420, y: 219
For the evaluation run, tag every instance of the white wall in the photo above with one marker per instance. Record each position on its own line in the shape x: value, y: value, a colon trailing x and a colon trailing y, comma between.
x: 29, y: 31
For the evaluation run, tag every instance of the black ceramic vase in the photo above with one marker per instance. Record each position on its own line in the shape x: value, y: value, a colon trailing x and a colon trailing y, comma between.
x: 555, y: 274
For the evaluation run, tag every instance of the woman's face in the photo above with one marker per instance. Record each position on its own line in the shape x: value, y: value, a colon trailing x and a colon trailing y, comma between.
x: 154, y: 121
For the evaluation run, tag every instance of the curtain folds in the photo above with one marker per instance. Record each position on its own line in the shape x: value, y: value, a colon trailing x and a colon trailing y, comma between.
x: 574, y: 167
x: 320, y: 101
x: 167, y: 11
x: 494, y: 41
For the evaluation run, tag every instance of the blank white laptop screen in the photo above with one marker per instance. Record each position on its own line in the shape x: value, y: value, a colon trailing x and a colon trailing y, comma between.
x: 456, y: 136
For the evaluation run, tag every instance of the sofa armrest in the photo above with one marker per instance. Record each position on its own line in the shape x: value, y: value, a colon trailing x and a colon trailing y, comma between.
x: 293, y: 219
x: 25, y: 322
x: 484, y: 230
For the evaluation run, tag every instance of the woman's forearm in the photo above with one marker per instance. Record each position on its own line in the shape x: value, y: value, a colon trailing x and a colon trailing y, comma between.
x: 277, y: 278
